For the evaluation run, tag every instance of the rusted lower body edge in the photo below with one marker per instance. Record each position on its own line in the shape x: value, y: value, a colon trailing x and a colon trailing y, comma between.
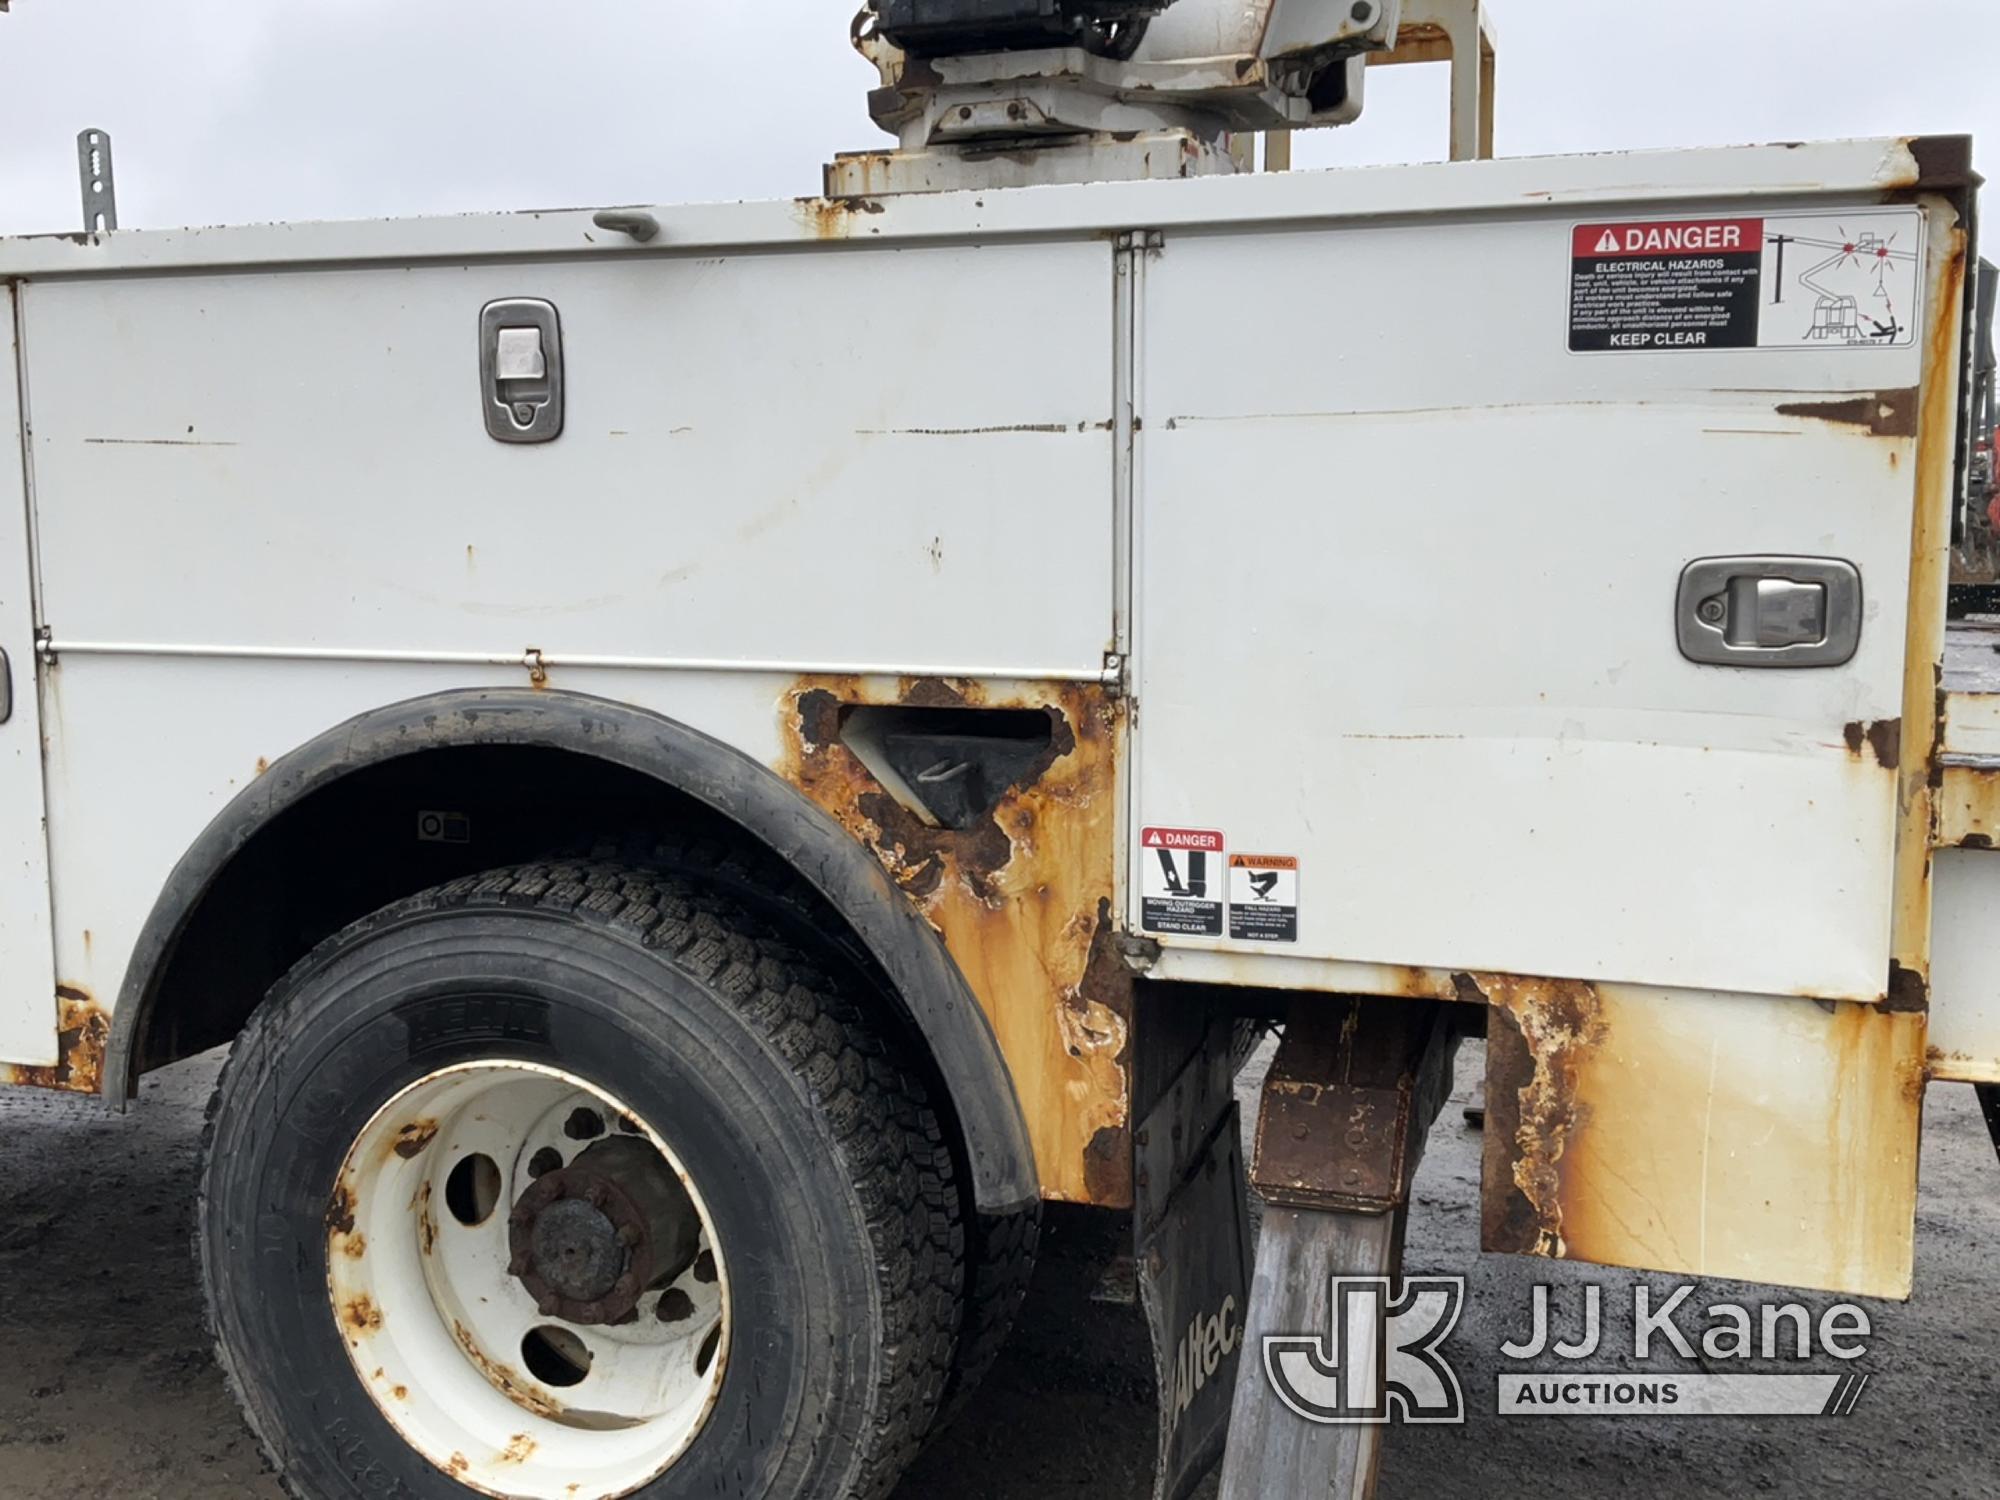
x: 1709, y: 1135
x: 82, y: 1040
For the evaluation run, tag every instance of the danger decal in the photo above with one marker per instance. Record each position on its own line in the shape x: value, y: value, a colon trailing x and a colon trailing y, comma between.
x: 1181, y: 881
x: 1690, y: 285
x: 1797, y: 281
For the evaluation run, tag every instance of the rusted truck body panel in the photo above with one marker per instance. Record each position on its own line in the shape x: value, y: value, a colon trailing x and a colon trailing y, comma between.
x: 1965, y: 1013
x: 1132, y: 458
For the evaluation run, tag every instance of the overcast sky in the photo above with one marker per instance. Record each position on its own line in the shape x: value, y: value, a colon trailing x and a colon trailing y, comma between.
x: 233, y: 110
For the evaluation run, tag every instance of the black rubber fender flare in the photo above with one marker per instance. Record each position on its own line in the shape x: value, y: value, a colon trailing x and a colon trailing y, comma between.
x: 718, y: 775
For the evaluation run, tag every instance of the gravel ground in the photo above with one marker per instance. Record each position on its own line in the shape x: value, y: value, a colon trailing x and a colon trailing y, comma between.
x: 106, y: 1387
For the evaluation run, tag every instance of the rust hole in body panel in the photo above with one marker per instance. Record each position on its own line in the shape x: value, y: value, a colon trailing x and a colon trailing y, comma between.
x: 83, y: 1037
x: 1020, y: 896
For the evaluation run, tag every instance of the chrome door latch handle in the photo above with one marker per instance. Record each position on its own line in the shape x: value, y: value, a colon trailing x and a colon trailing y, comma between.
x: 1769, y: 611
x: 521, y: 370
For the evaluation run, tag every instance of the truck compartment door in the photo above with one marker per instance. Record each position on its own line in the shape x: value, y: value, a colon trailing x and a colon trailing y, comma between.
x: 27, y: 965
x: 1482, y: 627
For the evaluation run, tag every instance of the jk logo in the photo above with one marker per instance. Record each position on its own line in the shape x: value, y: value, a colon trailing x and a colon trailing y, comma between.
x: 1377, y: 1360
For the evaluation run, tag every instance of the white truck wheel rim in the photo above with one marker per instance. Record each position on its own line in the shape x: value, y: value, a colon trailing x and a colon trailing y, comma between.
x: 467, y: 1190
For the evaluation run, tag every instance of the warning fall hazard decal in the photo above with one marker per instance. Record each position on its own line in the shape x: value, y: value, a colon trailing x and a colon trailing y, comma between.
x: 1191, y: 886
x: 1800, y: 281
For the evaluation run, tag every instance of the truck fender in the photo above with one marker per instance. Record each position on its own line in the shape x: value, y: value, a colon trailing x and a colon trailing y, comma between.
x: 750, y: 795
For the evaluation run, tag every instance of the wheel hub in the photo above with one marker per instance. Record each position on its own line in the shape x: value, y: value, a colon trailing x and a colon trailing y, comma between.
x: 588, y: 1241
x: 577, y: 1250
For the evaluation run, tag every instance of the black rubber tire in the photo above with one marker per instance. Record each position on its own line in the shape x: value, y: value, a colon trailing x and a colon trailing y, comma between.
x: 1000, y: 1248
x: 813, y: 1144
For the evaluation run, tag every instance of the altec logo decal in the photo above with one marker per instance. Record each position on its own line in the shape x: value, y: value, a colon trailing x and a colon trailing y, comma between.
x: 1688, y: 237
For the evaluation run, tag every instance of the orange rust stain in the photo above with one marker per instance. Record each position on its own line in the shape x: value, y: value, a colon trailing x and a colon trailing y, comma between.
x: 835, y: 218
x: 1561, y: 1024
x: 1023, y: 902
x: 414, y: 1138
x: 504, y: 1378
x: 520, y: 1448
x: 1718, y: 1135
x: 401, y: 1393
x: 459, y: 1464
x: 263, y: 765
x: 354, y: 1246
x: 83, y: 1036
x: 361, y: 1315
x: 1930, y: 575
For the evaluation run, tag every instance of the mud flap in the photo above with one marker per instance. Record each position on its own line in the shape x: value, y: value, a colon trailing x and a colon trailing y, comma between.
x: 1193, y: 1257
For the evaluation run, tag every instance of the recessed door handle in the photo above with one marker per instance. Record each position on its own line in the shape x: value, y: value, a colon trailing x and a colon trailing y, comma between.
x: 1769, y: 611
x: 6, y: 687
x: 521, y: 370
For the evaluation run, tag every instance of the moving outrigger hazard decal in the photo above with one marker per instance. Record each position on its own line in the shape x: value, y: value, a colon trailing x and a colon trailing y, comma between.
x: 1264, y: 898
x: 1840, y: 280
x: 1181, y: 881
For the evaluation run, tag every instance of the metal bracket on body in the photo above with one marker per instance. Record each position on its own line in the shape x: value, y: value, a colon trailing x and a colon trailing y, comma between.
x: 99, y: 186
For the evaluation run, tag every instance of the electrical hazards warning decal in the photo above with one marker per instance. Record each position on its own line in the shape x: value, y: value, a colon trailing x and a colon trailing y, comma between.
x: 1264, y: 898
x: 1191, y: 886
x: 1797, y: 281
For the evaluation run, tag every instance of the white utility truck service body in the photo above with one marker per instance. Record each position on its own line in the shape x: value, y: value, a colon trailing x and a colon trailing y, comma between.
x: 797, y: 443
x: 1517, y: 584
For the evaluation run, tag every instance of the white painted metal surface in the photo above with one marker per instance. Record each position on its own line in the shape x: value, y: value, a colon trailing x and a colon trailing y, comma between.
x: 1407, y: 573
x: 754, y: 468
x: 1972, y: 723
x: 1965, y: 982
x: 27, y: 980
x: 805, y: 437
x: 1770, y: 174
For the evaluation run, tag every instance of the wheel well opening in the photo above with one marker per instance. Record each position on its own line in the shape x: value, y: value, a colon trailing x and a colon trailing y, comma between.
x: 390, y: 830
